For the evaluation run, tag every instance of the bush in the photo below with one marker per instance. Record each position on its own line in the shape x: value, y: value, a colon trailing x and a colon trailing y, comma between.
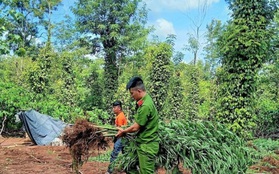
x: 98, y: 116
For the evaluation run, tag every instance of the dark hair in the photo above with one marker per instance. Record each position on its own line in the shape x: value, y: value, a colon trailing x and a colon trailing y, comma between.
x: 135, y: 82
x: 117, y: 103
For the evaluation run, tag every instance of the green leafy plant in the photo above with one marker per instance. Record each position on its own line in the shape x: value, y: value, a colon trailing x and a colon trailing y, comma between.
x: 104, y: 157
x: 244, y: 49
x: 203, y: 147
x: 98, y: 116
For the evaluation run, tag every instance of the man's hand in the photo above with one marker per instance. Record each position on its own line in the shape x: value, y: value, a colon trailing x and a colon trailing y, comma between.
x: 133, y: 128
x: 120, y: 132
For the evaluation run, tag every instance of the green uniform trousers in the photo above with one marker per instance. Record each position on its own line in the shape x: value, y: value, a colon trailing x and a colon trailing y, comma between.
x: 146, y: 158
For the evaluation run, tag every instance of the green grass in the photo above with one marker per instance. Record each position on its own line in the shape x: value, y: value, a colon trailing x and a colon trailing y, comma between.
x: 102, y: 157
x: 266, y: 144
x: 262, y: 148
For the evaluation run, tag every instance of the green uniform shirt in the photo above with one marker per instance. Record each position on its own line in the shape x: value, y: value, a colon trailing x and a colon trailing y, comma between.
x: 148, y: 119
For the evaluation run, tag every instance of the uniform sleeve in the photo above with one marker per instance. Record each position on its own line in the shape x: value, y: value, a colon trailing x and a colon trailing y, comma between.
x: 142, y: 115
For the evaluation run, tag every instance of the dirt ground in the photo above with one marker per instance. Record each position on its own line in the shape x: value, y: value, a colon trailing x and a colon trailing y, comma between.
x: 21, y: 156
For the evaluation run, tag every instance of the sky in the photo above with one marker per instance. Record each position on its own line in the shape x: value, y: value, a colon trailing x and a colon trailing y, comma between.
x: 179, y: 17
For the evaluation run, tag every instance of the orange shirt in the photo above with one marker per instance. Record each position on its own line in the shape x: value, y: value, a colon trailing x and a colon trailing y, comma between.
x: 120, y: 119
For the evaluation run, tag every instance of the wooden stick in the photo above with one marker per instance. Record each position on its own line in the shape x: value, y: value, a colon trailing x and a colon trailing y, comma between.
x: 3, y: 124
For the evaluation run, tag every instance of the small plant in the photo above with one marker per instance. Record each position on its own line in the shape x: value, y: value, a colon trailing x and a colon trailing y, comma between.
x: 266, y: 144
x: 102, y: 157
x: 50, y: 151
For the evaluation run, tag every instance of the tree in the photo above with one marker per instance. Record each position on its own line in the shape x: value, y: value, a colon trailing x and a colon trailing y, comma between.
x: 117, y: 26
x: 4, y: 48
x: 193, y: 96
x: 213, y: 57
x: 40, y: 75
x: 44, y: 10
x: 23, y: 21
x: 268, y: 91
x: 66, y: 35
x: 20, y: 30
x: 194, y: 43
x: 94, y: 98
x: 244, y: 48
x: 176, y: 99
x: 160, y: 74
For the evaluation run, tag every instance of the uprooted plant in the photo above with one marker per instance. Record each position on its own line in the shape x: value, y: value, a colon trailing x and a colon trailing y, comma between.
x: 82, y: 137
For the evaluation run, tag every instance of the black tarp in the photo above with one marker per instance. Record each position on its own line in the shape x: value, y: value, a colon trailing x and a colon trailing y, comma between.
x: 41, y: 129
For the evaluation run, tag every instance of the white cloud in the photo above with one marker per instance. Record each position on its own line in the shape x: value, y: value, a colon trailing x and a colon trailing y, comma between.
x: 183, y: 5
x: 163, y: 28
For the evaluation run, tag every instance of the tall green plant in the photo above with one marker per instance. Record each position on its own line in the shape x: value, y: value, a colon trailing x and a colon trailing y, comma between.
x: 193, y: 96
x: 94, y: 97
x: 160, y: 74
x: 244, y: 47
x: 68, y: 91
x: 176, y: 99
x: 39, y: 76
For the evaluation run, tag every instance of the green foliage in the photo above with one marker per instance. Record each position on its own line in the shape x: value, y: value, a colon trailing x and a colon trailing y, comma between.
x: 160, y: 73
x: 13, y: 98
x: 98, y: 116
x: 261, y: 148
x: 66, y: 90
x: 193, y: 96
x: 117, y: 26
x: 93, y: 61
x: 267, y: 117
x: 102, y: 157
x: 175, y: 99
x: 39, y: 76
x: 268, y: 92
x: 17, y: 17
x: 66, y: 35
x: 23, y: 19
x: 203, y: 147
x: 94, y: 97
x: 214, y: 31
x: 244, y: 47
x: 4, y: 47
x: 51, y: 106
x: 266, y: 144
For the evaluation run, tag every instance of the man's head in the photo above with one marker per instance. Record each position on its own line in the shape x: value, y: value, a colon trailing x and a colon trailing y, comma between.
x: 136, y: 88
x: 117, y: 107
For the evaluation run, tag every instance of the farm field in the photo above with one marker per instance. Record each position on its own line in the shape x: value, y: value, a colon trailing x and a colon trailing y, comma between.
x: 20, y: 156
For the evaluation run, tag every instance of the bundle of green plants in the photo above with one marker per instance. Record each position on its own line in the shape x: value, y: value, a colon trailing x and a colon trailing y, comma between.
x: 202, y: 147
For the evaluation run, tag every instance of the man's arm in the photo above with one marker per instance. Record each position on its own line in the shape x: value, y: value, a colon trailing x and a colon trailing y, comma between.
x: 133, y: 128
